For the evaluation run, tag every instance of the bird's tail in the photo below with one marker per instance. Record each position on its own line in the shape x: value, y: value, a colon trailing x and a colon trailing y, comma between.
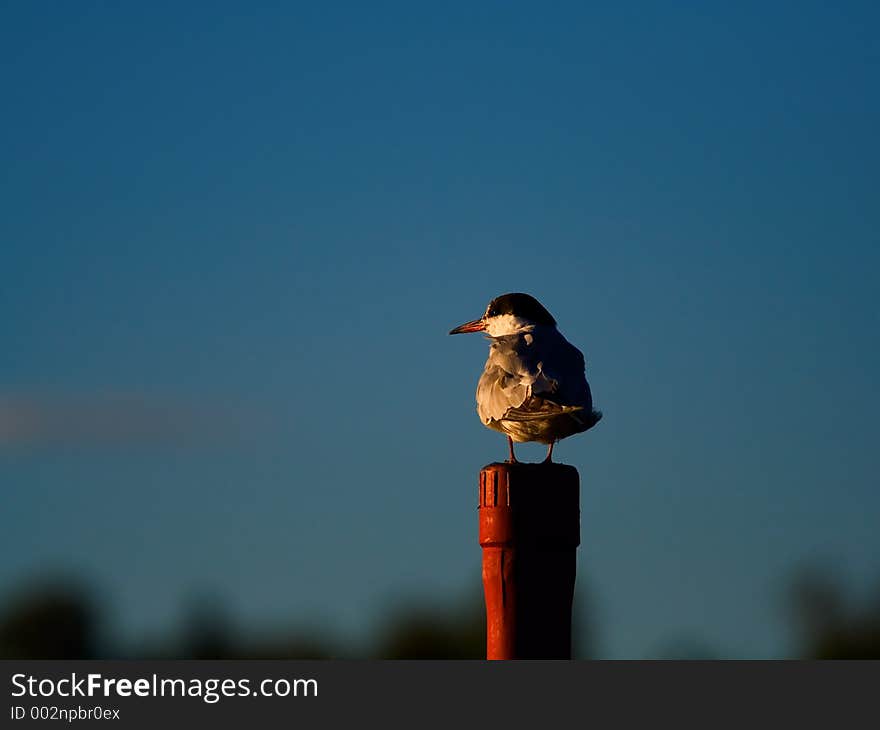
x: 540, y: 413
x: 591, y: 420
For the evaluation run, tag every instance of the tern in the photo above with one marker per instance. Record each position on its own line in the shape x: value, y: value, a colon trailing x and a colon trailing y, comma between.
x: 534, y: 385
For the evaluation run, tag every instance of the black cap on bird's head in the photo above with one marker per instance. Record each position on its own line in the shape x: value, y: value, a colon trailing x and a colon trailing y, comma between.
x: 523, y: 307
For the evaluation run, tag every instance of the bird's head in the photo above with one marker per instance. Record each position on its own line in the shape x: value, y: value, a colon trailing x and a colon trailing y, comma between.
x: 509, y: 314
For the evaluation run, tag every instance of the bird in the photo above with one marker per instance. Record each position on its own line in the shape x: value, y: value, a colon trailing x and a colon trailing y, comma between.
x: 534, y: 385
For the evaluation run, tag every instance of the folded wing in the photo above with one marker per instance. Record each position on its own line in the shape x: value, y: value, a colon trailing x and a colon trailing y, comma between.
x: 534, y: 376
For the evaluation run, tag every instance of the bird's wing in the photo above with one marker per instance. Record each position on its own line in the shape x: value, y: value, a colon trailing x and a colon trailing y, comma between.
x: 564, y: 365
x: 542, y: 367
x: 563, y: 368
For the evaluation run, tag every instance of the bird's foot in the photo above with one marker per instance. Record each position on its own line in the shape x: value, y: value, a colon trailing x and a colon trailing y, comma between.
x: 549, y: 458
x: 512, y: 459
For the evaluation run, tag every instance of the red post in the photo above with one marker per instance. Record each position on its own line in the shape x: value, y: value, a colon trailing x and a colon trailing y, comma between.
x: 529, y: 532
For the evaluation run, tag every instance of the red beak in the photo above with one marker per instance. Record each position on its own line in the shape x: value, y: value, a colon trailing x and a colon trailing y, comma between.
x: 478, y: 325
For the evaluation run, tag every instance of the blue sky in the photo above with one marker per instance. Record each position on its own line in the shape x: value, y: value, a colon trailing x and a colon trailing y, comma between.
x: 240, y: 234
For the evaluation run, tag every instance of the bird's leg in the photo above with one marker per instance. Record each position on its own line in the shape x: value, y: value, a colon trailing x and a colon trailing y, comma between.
x: 512, y: 458
x: 549, y: 458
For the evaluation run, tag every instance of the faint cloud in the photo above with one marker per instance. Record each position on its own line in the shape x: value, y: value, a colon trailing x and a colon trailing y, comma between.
x: 110, y: 419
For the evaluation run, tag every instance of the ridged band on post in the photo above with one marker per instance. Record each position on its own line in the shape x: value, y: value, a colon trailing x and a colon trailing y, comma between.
x: 529, y: 532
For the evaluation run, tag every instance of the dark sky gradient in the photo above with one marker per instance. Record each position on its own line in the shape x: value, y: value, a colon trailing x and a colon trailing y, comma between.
x: 239, y: 236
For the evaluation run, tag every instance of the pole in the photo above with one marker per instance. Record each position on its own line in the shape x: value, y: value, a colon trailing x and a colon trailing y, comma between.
x: 529, y: 532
